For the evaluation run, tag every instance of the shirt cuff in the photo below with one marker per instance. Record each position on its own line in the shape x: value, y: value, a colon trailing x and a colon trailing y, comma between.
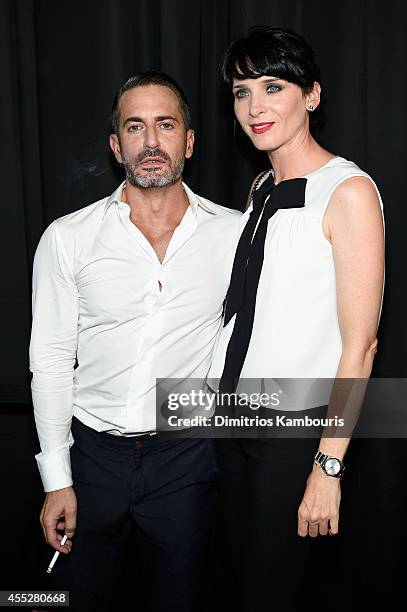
x: 55, y: 470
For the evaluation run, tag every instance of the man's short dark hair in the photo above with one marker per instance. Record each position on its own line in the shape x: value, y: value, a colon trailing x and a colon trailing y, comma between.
x: 150, y: 77
x: 273, y: 51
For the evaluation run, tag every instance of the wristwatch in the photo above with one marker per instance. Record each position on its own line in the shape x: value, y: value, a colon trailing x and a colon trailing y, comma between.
x: 330, y: 465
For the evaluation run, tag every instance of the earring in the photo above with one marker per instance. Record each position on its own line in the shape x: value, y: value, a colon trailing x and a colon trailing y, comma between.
x: 310, y: 108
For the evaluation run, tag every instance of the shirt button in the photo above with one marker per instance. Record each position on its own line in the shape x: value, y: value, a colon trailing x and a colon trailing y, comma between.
x: 138, y: 444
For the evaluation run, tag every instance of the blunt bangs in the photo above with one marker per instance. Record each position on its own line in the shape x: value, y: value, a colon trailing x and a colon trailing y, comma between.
x: 252, y: 67
x: 269, y: 51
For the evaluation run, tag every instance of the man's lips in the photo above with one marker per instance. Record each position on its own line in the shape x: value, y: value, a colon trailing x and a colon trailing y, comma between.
x: 152, y: 161
x: 260, y: 128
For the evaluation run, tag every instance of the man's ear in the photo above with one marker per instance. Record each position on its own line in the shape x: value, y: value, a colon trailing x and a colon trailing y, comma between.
x: 189, y: 149
x: 115, y: 146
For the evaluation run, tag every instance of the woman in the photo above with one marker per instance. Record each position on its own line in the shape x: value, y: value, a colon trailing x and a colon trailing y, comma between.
x: 304, y: 302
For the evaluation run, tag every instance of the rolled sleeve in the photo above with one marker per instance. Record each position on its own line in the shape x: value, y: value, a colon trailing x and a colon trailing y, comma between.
x: 53, y: 347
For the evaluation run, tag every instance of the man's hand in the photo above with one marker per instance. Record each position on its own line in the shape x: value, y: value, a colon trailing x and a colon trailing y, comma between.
x: 59, y: 514
x: 319, y: 510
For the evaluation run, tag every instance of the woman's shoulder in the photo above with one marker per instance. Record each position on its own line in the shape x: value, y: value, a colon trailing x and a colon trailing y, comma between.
x: 338, y: 173
x: 352, y: 195
x: 339, y: 168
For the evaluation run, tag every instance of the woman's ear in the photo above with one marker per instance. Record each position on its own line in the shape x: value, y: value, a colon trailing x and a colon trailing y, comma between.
x: 313, y: 98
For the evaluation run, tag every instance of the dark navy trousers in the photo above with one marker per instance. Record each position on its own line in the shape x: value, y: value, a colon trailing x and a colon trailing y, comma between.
x: 165, y: 489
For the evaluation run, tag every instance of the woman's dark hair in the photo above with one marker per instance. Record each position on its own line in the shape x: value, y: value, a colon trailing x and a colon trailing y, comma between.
x: 272, y: 51
x: 150, y: 77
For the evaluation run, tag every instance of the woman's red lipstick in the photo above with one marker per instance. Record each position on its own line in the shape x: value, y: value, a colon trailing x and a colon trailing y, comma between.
x: 260, y: 128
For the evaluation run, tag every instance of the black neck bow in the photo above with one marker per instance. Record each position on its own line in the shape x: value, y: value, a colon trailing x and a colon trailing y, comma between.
x: 267, y: 198
x: 287, y: 194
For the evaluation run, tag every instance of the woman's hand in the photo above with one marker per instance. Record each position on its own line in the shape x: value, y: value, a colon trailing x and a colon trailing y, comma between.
x: 319, y: 510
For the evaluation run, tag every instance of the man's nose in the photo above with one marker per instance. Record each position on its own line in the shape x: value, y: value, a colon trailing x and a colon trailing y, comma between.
x: 151, y: 138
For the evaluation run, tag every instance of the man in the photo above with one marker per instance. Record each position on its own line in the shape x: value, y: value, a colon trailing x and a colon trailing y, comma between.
x: 132, y: 287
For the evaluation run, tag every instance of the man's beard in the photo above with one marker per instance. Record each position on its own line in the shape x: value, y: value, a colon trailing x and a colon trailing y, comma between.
x: 152, y: 178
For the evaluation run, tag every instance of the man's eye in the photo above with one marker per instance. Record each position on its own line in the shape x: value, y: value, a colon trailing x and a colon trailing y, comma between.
x: 241, y: 93
x: 167, y: 126
x: 134, y: 128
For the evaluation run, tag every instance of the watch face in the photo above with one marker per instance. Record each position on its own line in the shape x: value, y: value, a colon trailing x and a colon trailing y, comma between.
x: 332, y: 467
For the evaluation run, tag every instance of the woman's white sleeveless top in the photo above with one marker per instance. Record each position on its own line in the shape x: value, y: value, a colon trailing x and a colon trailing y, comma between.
x: 296, y: 330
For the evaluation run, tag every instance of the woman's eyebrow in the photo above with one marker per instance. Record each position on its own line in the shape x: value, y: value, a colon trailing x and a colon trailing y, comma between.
x: 242, y: 84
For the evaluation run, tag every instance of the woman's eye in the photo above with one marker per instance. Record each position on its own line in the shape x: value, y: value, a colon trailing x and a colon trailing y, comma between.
x: 241, y: 93
x: 273, y: 88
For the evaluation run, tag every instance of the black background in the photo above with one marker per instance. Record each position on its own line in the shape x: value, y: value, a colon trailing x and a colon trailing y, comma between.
x: 61, y: 63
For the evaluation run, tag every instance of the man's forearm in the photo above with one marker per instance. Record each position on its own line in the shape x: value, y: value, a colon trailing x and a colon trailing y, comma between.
x: 53, y: 348
x: 53, y: 416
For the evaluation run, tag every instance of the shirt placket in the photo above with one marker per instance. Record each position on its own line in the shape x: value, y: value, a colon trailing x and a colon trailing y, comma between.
x: 139, y: 401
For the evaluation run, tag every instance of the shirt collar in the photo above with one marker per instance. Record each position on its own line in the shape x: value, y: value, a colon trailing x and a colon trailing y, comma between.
x: 195, y: 201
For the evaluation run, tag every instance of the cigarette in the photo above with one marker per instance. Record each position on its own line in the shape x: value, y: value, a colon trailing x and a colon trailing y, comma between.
x: 56, y: 555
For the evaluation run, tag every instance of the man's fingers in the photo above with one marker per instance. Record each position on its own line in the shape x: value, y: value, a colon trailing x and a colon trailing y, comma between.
x: 59, y: 514
x: 43, y: 529
x: 53, y: 538
x: 70, y: 523
x: 42, y: 522
x: 313, y: 529
x: 68, y: 543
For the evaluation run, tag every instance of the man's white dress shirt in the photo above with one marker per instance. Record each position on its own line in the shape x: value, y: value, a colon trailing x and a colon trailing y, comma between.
x: 102, y: 297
